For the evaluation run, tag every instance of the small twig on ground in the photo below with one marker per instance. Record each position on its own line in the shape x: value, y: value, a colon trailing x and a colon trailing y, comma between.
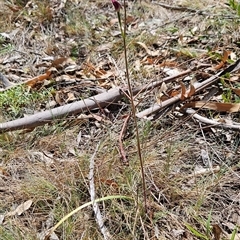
x: 176, y: 8
x: 204, y: 171
x: 150, y: 86
x: 99, y: 219
x: 212, y: 123
x: 121, y: 136
x: 41, y: 118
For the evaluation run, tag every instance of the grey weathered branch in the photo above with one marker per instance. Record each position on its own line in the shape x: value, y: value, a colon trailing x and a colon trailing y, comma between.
x: 198, y: 87
x: 213, y: 123
x: 103, y: 100
x: 99, y: 101
x: 41, y: 118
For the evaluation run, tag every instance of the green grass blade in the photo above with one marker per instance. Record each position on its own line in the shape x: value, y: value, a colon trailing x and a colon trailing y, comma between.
x: 195, y: 232
x: 83, y: 206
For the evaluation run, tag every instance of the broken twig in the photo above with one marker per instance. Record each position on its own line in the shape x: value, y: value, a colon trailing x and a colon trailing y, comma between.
x: 99, y: 219
x: 210, y: 122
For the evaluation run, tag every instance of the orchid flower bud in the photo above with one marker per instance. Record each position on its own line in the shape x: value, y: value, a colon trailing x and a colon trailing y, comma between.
x: 116, y: 5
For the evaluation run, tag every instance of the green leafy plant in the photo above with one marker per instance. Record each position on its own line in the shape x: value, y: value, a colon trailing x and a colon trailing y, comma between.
x: 228, y: 94
x: 235, y: 6
x: 15, y: 101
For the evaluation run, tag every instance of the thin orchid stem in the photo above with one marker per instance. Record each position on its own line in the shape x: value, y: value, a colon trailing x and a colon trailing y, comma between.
x: 133, y: 105
x: 120, y: 25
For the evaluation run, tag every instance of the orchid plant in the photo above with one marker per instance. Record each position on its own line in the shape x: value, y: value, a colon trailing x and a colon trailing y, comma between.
x: 118, y: 7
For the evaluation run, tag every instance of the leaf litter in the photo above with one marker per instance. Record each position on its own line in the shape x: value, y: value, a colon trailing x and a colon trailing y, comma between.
x: 79, y: 55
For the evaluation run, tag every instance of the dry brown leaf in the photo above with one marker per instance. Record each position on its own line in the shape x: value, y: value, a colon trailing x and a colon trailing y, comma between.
x: 13, y: 8
x: 71, y: 97
x: 224, y: 59
x: 32, y: 82
x: 221, y: 107
x: 148, y: 51
x: 216, y: 231
x: 192, y: 90
x: 130, y: 19
x: 58, y: 62
x: 161, y: 95
x: 106, y: 75
x: 183, y: 91
x: 233, y: 79
x: 104, y: 47
x: 21, y: 208
x: 109, y: 182
x: 98, y: 118
x: 97, y: 72
x: 59, y: 98
x: 236, y: 90
x: 151, y: 60
x: 113, y: 21
x: 167, y: 94
x: 3, y: 171
x: 168, y: 64
x: 173, y: 93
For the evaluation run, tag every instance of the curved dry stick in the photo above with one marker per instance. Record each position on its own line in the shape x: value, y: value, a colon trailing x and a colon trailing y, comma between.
x: 210, y: 122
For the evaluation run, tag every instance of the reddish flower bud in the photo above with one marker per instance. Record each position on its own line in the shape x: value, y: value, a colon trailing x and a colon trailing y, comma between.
x: 116, y: 5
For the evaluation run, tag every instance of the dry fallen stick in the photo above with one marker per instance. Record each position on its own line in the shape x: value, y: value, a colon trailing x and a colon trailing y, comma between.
x: 98, y: 216
x: 176, y: 8
x: 103, y: 100
x: 198, y: 87
x: 41, y: 118
x: 98, y: 101
x: 204, y: 171
x: 211, y: 122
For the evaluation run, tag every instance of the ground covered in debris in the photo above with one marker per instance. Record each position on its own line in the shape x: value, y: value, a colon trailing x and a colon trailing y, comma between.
x: 183, y: 57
